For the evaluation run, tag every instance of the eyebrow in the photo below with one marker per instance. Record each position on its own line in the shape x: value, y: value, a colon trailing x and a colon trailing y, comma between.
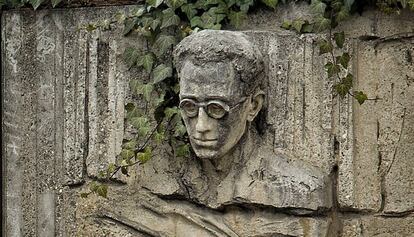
x: 191, y: 96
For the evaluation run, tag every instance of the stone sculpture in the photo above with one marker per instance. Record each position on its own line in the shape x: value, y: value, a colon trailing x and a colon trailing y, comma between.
x: 221, y: 81
x: 235, y: 186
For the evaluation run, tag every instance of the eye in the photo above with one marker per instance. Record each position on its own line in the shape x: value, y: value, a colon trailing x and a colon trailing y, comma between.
x: 216, y: 110
x: 189, y: 108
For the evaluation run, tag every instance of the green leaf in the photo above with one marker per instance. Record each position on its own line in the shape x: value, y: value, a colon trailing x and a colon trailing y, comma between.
x: 55, y: 3
x: 196, y: 21
x: 169, y: 18
x: 179, y: 129
x: 189, y: 10
x: 324, y: 47
x: 131, y: 56
x: 307, y: 28
x: 341, y: 89
x: 286, y: 25
x: 163, y: 43
x: 182, y: 150
x: 337, y: 5
x: 138, y: 11
x: 161, y: 72
x: 141, y: 124
x: 145, y: 156
x: 237, y: 18
x: 270, y: 3
x: 321, y: 24
x: 411, y: 4
x: 318, y: 7
x: 343, y: 59
x: 111, y: 169
x: 332, y: 69
x: 159, y: 137
x: 145, y: 90
x: 169, y: 112
x: 129, y: 25
x: 339, y: 38
x: 36, y: 3
x: 154, y: 3
x: 147, y: 61
x: 342, y: 14
x: 174, y: 4
x: 127, y: 154
x: 297, y: 24
x: 348, y: 80
x: 93, y: 186
x: 360, y: 96
x: 84, y: 195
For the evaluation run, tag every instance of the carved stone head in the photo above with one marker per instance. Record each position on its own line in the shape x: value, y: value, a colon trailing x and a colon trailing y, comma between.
x: 221, y: 75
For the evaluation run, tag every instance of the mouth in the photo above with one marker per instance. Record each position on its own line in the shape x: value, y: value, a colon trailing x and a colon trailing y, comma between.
x: 204, y: 142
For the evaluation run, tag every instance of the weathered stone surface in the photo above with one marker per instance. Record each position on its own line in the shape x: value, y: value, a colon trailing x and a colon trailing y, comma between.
x: 63, y: 96
x: 377, y: 226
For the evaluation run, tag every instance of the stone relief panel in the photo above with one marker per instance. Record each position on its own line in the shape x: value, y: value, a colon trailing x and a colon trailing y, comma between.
x: 317, y: 165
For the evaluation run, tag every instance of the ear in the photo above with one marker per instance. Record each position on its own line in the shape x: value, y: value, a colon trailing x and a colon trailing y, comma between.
x: 256, y: 104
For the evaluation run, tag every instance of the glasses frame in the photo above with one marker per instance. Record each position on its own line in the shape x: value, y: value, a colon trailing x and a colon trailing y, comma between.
x: 227, y: 108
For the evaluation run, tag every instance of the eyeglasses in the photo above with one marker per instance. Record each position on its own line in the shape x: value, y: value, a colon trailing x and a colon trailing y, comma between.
x: 214, y: 108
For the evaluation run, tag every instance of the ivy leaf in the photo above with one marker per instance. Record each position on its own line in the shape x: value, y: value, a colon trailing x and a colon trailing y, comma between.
x: 84, y: 195
x: 332, y: 69
x: 339, y: 38
x: 145, y: 156
x: 196, y: 21
x: 321, y: 23
x: 179, y: 129
x: 169, y: 112
x: 129, y: 25
x: 174, y: 4
x: 131, y: 56
x: 360, y: 96
x: 342, y: 14
x: 237, y: 18
x: 147, y: 61
x: 325, y: 47
x: 159, y: 137
x: 337, y: 4
x: 36, y: 3
x: 163, y: 43
x: 341, y: 89
x: 111, y: 169
x: 189, y: 10
x: 182, y: 150
x: 145, y: 90
x: 102, y: 190
x: 161, y: 72
x: 169, y: 18
x: 154, y: 3
x: 318, y: 7
x: 127, y: 154
x: 286, y: 25
x: 297, y: 24
x: 343, y: 59
x: 55, y: 3
x: 141, y: 124
x: 348, y: 80
x: 411, y: 4
x: 307, y: 28
x: 270, y: 3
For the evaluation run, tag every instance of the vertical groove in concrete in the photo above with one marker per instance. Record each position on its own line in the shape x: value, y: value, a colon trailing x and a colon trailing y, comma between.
x: 12, y: 122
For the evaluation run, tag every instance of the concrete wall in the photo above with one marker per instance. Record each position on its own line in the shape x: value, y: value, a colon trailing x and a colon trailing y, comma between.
x: 64, y: 91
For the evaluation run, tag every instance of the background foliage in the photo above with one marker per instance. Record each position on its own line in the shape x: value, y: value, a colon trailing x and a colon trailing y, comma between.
x: 164, y: 23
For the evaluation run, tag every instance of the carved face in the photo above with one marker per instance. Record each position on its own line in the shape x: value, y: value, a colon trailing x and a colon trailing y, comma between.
x: 213, y: 107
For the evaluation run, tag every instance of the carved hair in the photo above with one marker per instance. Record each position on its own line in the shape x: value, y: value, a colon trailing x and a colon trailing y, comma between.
x: 223, y: 46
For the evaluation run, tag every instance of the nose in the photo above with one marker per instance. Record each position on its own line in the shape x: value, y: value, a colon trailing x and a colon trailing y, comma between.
x: 203, y: 124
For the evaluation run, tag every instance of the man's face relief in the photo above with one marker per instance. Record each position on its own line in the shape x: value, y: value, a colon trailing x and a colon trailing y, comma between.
x: 213, y: 108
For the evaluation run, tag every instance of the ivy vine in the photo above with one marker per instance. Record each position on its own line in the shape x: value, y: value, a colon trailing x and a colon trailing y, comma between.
x: 164, y: 23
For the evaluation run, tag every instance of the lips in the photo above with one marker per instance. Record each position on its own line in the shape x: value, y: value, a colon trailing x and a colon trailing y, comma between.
x: 204, y: 142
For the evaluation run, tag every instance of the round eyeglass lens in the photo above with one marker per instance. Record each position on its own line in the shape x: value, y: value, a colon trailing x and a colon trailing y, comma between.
x: 189, y: 108
x: 216, y: 110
